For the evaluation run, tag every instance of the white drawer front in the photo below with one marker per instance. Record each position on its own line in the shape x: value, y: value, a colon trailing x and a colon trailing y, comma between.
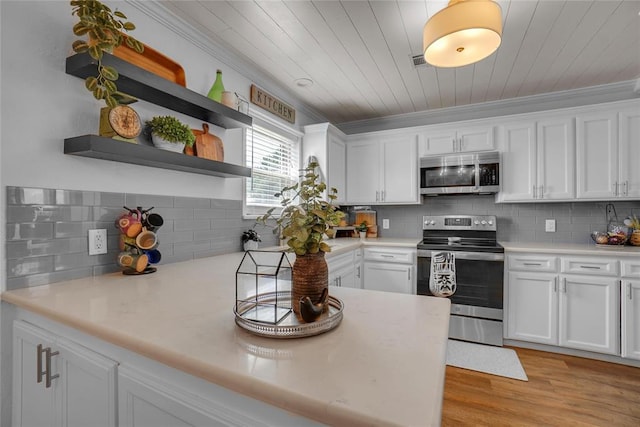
x: 630, y: 268
x: 402, y: 256
x: 597, y: 266
x: 533, y: 263
x: 338, y: 261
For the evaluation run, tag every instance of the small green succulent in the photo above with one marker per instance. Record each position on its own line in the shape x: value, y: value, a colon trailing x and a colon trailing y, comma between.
x: 171, y: 129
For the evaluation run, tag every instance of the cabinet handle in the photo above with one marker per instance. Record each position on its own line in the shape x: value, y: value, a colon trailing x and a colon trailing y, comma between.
x: 537, y: 264
x: 409, y: 275
x: 377, y: 196
x: 40, y: 373
x: 614, y: 190
x: 48, y: 376
x: 534, y: 192
x: 625, y: 188
x: 591, y: 267
x: 629, y: 291
x: 358, y: 272
x: 382, y: 195
x: 564, y: 285
x: 555, y: 284
x: 542, y: 191
x: 386, y: 256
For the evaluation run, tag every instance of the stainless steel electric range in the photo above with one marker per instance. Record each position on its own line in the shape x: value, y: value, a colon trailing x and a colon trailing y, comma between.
x: 476, y: 305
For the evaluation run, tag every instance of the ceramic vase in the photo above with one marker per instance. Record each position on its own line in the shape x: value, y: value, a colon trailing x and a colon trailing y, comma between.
x: 310, y: 278
x: 250, y: 245
x: 160, y: 142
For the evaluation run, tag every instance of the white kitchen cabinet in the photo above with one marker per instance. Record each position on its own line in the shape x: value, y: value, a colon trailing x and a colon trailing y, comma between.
x: 563, y: 308
x: 389, y: 269
x: 538, y: 160
x: 59, y: 383
x: 608, y: 149
x: 532, y: 307
x: 630, y: 305
x: 589, y: 313
x: 383, y: 170
x: 147, y: 401
x: 463, y: 138
x: 326, y: 143
x: 344, y: 271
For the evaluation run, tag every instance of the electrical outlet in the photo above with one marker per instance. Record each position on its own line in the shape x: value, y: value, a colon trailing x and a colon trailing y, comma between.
x: 550, y: 225
x: 385, y: 223
x: 98, y: 241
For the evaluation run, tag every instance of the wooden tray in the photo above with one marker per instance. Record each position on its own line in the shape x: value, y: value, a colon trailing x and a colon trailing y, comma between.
x: 152, y: 61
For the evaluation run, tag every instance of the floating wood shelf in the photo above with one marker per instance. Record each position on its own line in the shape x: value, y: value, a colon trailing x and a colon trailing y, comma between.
x: 98, y: 147
x: 145, y: 85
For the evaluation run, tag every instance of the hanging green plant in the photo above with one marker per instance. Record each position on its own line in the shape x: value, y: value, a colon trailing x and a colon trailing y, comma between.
x: 104, y: 29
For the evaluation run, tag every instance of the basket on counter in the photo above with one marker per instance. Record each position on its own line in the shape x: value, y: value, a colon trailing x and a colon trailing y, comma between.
x: 635, y: 238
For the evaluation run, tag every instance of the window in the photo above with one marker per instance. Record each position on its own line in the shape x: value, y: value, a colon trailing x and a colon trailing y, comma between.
x: 273, y: 157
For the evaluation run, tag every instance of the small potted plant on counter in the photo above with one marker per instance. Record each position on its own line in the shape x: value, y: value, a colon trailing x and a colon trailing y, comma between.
x: 169, y: 133
x: 362, y: 229
x: 250, y: 239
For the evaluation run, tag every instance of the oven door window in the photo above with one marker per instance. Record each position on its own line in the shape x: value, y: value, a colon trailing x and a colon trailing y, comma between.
x: 448, y: 176
x: 478, y: 283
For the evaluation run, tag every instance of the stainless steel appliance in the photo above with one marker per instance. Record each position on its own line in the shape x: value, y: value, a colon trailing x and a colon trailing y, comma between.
x: 476, y: 305
x: 460, y: 173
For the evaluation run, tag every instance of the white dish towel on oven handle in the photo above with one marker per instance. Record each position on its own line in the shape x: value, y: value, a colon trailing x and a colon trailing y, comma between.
x: 442, y: 280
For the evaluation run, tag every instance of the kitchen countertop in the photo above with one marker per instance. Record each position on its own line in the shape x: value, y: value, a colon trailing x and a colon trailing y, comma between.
x: 345, y: 244
x: 383, y: 365
x: 572, y: 249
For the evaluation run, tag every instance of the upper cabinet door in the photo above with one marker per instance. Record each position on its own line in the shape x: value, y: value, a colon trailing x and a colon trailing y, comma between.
x: 400, y: 169
x: 518, y: 146
x: 476, y: 139
x: 363, y: 174
x: 629, y: 152
x: 556, y: 159
x: 438, y: 143
x: 597, y: 155
x: 337, y: 167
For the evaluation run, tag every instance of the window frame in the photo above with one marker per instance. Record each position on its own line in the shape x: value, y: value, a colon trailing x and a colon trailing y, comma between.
x: 262, y: 120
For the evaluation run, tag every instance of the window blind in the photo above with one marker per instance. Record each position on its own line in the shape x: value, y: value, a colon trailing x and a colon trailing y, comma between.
x: 274, y: 160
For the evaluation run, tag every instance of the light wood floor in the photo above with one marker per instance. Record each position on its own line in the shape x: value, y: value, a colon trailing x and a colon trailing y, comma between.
x: 561, y: 391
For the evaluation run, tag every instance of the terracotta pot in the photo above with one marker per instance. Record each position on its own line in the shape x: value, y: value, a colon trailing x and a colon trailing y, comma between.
x: 635, y: 238
x: 310, y: 278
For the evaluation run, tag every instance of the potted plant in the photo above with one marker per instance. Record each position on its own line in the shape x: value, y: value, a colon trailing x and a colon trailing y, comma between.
x: 104, y: 30
x: 169, y: 133
x: 250, y: 239
x: 362, y: 229
x: 304, y: 221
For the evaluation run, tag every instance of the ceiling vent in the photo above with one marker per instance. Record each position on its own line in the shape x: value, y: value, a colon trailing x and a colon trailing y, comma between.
x: 418, y: 61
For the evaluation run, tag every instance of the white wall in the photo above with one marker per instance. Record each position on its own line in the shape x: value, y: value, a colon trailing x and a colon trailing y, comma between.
x: 42, y: 105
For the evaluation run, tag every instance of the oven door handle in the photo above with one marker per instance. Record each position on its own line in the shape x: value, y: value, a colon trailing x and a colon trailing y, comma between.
x: 474, y: 256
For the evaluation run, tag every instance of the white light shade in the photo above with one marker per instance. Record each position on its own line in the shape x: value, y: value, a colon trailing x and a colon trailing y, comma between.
x: 462, y: 33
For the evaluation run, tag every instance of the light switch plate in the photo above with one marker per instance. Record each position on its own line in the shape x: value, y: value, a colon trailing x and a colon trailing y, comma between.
x: 385, y: 223
x: 550, y: 225
x: 98, y: 241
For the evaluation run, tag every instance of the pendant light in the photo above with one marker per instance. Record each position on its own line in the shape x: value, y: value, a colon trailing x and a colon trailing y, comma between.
x: 462, y: 33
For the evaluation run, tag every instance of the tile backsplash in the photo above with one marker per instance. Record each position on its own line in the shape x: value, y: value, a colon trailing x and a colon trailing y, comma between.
x: 521, y: 222
x: 47, y: 231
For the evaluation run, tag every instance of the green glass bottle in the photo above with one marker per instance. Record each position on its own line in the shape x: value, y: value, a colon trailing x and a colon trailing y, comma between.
x: 216, y: 90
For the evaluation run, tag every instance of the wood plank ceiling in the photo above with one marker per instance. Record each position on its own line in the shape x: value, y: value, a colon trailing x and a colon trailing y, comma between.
x: 358, y: 53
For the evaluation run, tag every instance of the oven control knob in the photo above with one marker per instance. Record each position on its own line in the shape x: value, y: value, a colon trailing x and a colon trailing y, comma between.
x: 483, y: 222
x: 490, y: 222
x: 476, y: 222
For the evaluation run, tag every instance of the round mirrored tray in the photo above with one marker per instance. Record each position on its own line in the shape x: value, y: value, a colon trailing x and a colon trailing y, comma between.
x: 289, y: 326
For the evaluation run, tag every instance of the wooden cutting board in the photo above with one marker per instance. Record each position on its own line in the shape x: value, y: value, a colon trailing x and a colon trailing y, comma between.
x: 208, y: 146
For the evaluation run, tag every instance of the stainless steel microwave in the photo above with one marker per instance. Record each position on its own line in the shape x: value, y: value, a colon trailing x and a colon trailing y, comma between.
x: 460, y: 173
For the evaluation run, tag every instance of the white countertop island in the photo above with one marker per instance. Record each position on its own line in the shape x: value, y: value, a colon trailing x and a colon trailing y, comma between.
x: 383, y: 365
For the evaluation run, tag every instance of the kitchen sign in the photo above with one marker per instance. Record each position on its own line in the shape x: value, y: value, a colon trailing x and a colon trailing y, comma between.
x: 270, y: 103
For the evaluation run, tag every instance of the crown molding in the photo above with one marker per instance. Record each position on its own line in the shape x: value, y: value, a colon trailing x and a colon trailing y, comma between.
x: 161, y: 14
x: 527, y: 104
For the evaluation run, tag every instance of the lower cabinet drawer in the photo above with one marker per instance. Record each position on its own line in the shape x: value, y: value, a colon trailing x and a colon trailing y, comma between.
x: 404, y: 256
x: 596, y: 266
x: 630, y: 268
x: 533, y: 263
